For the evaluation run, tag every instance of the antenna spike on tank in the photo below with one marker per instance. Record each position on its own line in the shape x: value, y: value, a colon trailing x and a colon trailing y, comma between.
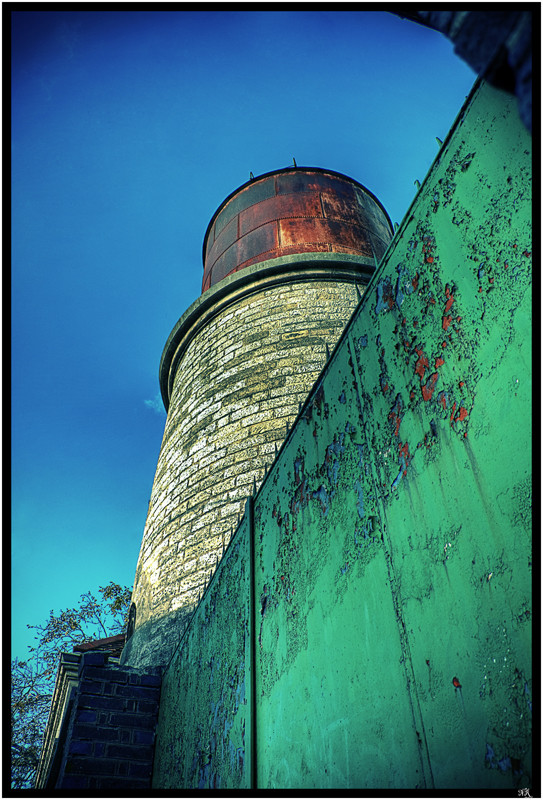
x: 251, y: 176
x: 294, y: 162
x: 417, y: 183
x: 439, y: 141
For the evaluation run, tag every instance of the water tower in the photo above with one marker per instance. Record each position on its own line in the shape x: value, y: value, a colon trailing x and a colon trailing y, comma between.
x: 285, y: 257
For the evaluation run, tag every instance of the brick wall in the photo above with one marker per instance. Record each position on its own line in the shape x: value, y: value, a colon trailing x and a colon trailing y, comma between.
x: 109, y: 742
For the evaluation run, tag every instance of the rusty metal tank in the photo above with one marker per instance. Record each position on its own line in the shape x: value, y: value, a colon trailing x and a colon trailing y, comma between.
x: 293, y: 210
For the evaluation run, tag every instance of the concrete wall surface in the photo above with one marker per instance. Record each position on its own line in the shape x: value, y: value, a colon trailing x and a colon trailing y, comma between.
x: 375, y: 602
x: 205, y: 730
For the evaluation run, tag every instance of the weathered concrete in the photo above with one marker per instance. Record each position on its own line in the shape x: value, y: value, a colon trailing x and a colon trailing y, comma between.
x: 387, y: 610
x: 211, y: 682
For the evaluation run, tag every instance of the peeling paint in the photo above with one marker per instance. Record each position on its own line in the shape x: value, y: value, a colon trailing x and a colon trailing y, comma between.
x: 362, y: 577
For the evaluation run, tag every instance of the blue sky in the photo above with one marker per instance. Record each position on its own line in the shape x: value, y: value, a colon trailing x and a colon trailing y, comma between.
x: 129, y: 128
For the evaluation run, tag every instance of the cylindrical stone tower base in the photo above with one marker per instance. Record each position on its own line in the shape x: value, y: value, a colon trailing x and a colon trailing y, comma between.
x: 235, y: 368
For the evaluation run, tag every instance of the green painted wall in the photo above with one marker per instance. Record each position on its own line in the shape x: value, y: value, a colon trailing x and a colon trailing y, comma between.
x: 391, y: 590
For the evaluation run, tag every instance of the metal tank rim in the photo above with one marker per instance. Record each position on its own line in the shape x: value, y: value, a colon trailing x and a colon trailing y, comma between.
x: 282, y: 171
x: 334, y: 267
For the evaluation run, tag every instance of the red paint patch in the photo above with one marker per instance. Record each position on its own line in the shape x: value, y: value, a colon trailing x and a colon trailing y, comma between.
x: 462, y: 414
x: 404, y: 451
x: 439, y: 362
x: 527, y: 253
x: 415, y: 281
x: 443, y: 344
x: 428, y: 390
x: 446, y: 322
x: 461, y: 384
x: 422, y: 363
x: 456, y: 683
x: 443, y: 401
x: 452, y: 412
x: 429, y: 259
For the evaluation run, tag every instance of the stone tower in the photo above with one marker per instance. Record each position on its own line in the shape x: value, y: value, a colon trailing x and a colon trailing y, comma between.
x: 285, y: 257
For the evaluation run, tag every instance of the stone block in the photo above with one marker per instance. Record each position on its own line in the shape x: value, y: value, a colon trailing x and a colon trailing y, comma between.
x: 90, y: 766
x: 143, y: 737
x: 137, y: 692
x: 94, y: 659
x: 133, y: 720
x: 81, y: 731
x: 87, y: 716
x: 104, y: 674
x: 95, y: 701
x: 85, y: 748
x: 140, y: 770
x: 93, y: 686
x: 75, y: 782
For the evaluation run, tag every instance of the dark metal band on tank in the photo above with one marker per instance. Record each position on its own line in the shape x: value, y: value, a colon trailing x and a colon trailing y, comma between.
x: 289, y: 211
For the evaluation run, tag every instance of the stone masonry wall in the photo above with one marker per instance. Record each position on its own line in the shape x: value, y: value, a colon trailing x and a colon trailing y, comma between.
x: 111, y: 731
x: 237, y: 387
x: 382, y: 575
